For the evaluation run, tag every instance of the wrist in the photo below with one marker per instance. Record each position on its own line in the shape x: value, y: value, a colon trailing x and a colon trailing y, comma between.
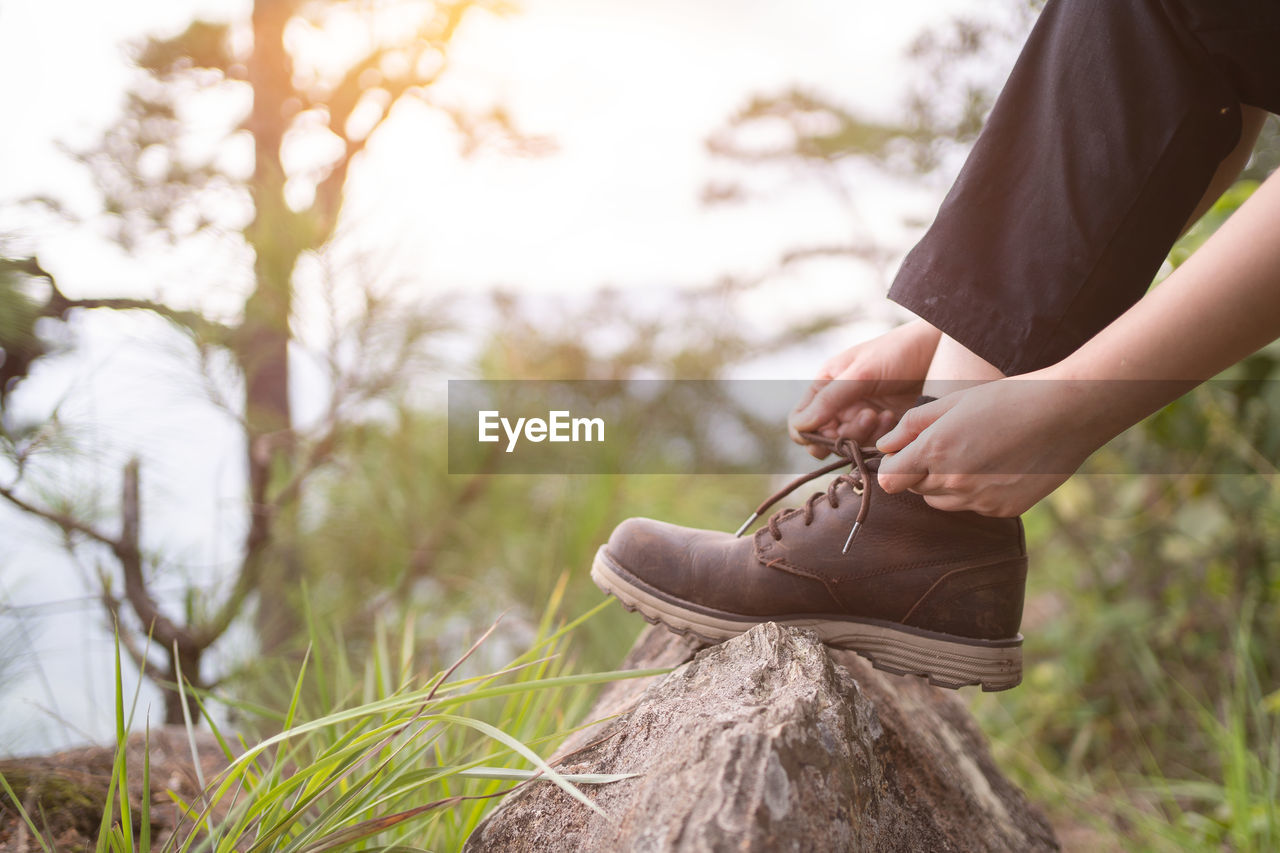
x: 923, y: 332
x: 1099, y: 407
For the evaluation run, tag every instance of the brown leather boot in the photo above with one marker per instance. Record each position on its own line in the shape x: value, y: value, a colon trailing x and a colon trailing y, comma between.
x: 914, y: 589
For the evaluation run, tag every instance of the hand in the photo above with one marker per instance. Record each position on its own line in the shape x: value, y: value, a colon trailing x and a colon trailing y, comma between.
x: 861, y: 392
x: 996, y: 449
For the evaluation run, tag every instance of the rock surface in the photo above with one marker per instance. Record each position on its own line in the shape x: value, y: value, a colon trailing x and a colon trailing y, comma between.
x: 773, y: 742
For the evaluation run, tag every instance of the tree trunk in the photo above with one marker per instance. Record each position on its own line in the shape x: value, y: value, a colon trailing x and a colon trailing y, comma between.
x: 773, y: 742
x: 278, y: 236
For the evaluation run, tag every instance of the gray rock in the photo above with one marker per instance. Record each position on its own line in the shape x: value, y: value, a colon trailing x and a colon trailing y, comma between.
x: 773, y: 742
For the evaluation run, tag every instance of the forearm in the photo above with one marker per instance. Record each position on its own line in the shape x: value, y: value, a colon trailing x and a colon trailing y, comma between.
x: 1222, y: 304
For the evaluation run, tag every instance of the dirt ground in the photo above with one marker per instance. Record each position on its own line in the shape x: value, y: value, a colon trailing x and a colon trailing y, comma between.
x: 65, y: 792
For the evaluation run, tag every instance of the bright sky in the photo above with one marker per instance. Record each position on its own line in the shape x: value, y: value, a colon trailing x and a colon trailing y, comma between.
x: 629, y: 90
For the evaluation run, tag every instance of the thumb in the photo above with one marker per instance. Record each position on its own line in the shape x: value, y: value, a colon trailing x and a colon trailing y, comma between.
x: 914, y: 422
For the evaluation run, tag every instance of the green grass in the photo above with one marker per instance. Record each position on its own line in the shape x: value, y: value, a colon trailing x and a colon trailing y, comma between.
x: 402, y: 759
x: 1149, y: 711
x: 1151, y: 737
x: 1163, y: 805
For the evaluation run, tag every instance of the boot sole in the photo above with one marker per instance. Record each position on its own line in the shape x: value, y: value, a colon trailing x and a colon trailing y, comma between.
x: 944, y: 659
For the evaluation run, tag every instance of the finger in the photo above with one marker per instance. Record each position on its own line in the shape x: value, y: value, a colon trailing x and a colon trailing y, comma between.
x: 856, y: 423
x: 799, y: 421
x: 914, y: 422
x: 811, y: 390
x: 821, y: 451
x: 975, y: 503
x: 933, y: 485
x: 950, y: 503
x: 901, y: 471
x: 886, y: 421
x: 794, y: 433
x: 839, y: 362
x: 828, y: 400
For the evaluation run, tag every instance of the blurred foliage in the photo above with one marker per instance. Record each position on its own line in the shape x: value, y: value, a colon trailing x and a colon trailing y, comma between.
x: 950, y: 90
x: 18, y: 312
x: 1153, y: 621
x: 799, y: 139
x: 1151, y: 707
x: 395, y: 533
x: 21, y: 345
x: 390, y: 529
x: 1266, y: 153
x: 679, y: 333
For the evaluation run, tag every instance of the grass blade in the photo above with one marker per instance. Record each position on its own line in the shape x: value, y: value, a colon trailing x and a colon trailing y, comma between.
x: 22, y: 812
x: 376, y: 825
x: 502, y: 737
x: 515, y: 773
x: 144, y: 828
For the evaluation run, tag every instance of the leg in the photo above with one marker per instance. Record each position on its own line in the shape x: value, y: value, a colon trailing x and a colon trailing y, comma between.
x: 1104, y: 140
x: 954, y: 367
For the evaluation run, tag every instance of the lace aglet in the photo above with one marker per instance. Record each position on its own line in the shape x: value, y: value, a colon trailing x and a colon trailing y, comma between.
x: 746, y: 524
x: 847, y: 542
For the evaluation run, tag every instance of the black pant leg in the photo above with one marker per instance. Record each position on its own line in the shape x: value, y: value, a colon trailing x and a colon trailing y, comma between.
x: 1096, y: 152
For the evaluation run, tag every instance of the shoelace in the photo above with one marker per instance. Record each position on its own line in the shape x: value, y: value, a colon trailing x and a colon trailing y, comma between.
x: 850, y: 454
